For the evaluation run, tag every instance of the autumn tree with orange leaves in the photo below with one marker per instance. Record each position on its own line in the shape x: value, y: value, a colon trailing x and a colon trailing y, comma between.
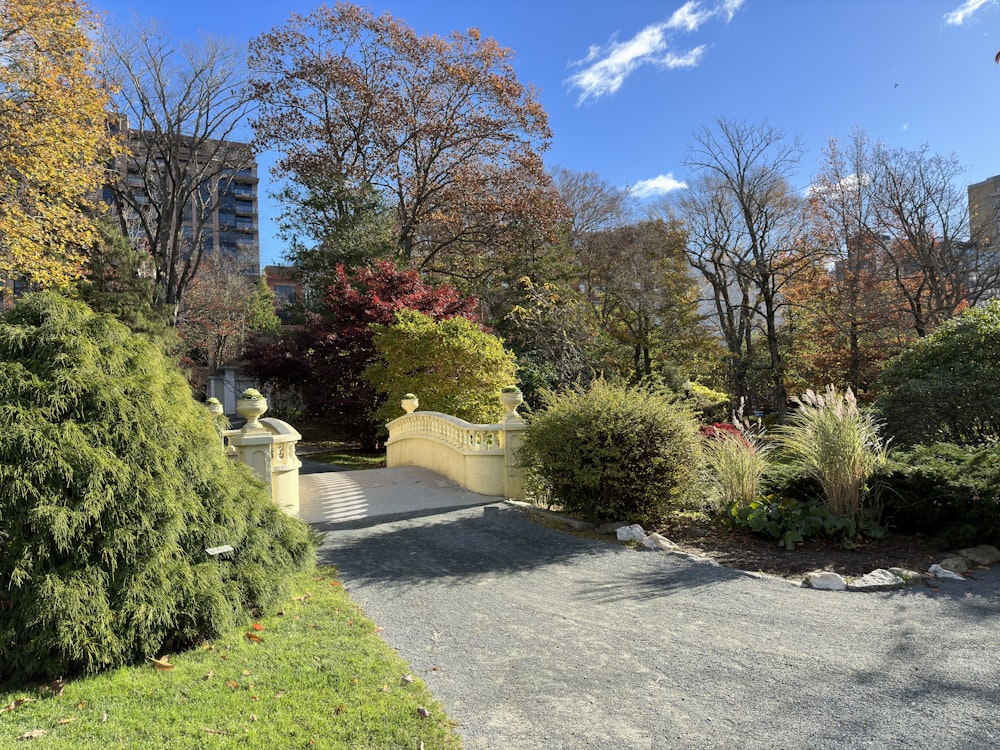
x: 54, y: 139
x: 439, y: 127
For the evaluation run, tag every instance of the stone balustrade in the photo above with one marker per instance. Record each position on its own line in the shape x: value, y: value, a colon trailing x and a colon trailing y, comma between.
x: 480, y: 457
x: 268, y: 447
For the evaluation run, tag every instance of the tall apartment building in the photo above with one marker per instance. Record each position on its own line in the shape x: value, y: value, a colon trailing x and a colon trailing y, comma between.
x: 984, y: 211
x: 224, y: 206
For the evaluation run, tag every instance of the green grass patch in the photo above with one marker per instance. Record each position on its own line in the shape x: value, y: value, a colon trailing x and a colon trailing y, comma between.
x: 350, y: 460
x: 319, y: 676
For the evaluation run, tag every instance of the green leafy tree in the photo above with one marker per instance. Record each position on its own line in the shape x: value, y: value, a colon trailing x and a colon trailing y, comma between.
x: 946, y: 386
x: 452, y: 365
x: 113, y: 483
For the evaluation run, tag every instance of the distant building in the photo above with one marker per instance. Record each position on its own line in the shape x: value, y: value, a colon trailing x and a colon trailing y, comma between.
x: 226, y: 205
x: 288, y: 290
x: 984, y: 211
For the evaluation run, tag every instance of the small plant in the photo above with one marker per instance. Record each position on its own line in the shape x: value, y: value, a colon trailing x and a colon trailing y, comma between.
x: 213, y: 401
x: 409, y: 396
x: 834, y: 442
x: 791, y: 521
x: 612, y: 453
x: 510, y: 389
x: 252, y: 394
x: 736, y: 460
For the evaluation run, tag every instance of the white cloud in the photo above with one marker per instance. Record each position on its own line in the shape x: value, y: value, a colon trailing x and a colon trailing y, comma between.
x: 661, y: 185
x: 958, y: 16
x: 605, y: 69
x: 905, y: 126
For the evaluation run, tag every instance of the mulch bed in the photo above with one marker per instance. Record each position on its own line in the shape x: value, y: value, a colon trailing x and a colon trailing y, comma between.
x: 738, y: 548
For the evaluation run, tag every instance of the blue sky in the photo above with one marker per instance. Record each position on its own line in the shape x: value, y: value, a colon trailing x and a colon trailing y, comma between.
x: 625, y: 84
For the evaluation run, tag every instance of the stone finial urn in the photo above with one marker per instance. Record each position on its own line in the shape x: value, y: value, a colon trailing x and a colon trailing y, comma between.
x: 409, y: 403
x: 251, y: 405
x: 511, y: 398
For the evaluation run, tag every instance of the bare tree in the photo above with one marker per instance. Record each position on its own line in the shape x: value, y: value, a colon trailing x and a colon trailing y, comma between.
x: 921, y: 224
x: 749, y: 243
x: 185, y: 105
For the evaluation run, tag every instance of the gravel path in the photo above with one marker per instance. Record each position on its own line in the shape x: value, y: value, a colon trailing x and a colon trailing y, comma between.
x: 537, y: 639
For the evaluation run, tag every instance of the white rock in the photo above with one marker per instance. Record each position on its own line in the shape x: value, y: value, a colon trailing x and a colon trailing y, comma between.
x: 956, y: 564
x: 658, y: 541
x: 629, y: 533
x: 939, y: 572
x: 878, y: 580
x: 826, y: 581
x: 984, y: 554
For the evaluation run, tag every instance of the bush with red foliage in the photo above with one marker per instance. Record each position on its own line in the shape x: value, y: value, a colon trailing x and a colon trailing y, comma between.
x: 718, y: 429
x: 325, y: 359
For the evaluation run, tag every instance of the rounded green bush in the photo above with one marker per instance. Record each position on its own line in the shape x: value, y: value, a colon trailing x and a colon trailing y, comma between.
x: 946, y: 386
x: 113, y: 483
x: 612, y: 453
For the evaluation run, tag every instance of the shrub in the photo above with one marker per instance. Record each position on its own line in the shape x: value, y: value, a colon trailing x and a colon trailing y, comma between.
x: 947, y: 491
x: 611, y: 453
x: 946, y: 386
x: 792, y: 521
x: 113, y: 482
x: 710, y: 404
x: 834, y: 442
x: 736, y: 461
x: 452, y: 365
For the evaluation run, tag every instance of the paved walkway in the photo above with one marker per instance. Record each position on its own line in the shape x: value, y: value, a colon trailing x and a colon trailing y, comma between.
x: 371, y: 495
x: 534, y: 638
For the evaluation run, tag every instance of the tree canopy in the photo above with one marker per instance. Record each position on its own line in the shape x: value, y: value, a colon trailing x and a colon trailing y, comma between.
x: 54, y: 139
x: 440, y: 127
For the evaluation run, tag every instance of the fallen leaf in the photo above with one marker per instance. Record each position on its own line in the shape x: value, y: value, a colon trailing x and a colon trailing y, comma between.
x: 422, y: 712
x: 280, y: 613
x: 232, y: 684
x: 357, y: 681
x: 379, y: 629
x: 279, y: 694
x: 339, y: 709
x: 162, y: 663
x: 16, y: 704
x: 246, y: 672
x: 334, y: 583
x: 66, y: 721
x: 81, y: 704
x: 437, y: 669
x: 32, y: 734
x: 254, y: 698
x: 407, y: 678
x: 254, y: 637
x: 208, y: 675
x: 104, y: 719
x: 257, y: 626
x: 302, y: 598
x: 385, y: 688
x: 208, y: 730
x: 253, y: 717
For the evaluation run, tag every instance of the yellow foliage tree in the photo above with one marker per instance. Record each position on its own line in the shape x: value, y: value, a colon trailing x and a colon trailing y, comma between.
x: 54, y: 139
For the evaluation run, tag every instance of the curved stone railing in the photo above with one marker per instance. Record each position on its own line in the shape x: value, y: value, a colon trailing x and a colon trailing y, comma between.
x: 480, y: 457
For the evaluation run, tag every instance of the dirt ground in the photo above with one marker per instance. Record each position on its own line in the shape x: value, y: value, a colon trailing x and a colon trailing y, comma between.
x: 741, y: 549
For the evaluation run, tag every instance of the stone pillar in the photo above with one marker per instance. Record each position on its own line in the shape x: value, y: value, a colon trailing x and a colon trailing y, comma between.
x: 270, y: 452
x: 513, y: 436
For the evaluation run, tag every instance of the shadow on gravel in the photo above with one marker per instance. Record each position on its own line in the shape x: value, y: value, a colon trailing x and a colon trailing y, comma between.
x: 461, y: 545
x: 675, y: 573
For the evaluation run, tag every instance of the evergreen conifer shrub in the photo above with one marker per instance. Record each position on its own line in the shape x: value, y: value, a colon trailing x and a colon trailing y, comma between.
x: 612, y: 453
x: 113, y: 483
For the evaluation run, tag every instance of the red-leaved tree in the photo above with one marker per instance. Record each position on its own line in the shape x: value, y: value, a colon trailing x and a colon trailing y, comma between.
x: 324, y: 359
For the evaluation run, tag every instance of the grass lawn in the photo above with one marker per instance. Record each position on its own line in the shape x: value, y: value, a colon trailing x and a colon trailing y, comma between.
x: 349, y: 459
x: 315, y: 675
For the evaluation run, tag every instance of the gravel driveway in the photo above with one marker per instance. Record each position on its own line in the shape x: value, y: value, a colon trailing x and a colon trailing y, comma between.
x: 537, y: 639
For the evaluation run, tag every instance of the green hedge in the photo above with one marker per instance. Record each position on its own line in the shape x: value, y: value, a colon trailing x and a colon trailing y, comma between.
x: 113, y: 482
x: 950, y: 493
x: 611, y: 453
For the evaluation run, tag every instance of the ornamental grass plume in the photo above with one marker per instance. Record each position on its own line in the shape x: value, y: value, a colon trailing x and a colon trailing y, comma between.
x: 837, y: 444
x: 737, y: 458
